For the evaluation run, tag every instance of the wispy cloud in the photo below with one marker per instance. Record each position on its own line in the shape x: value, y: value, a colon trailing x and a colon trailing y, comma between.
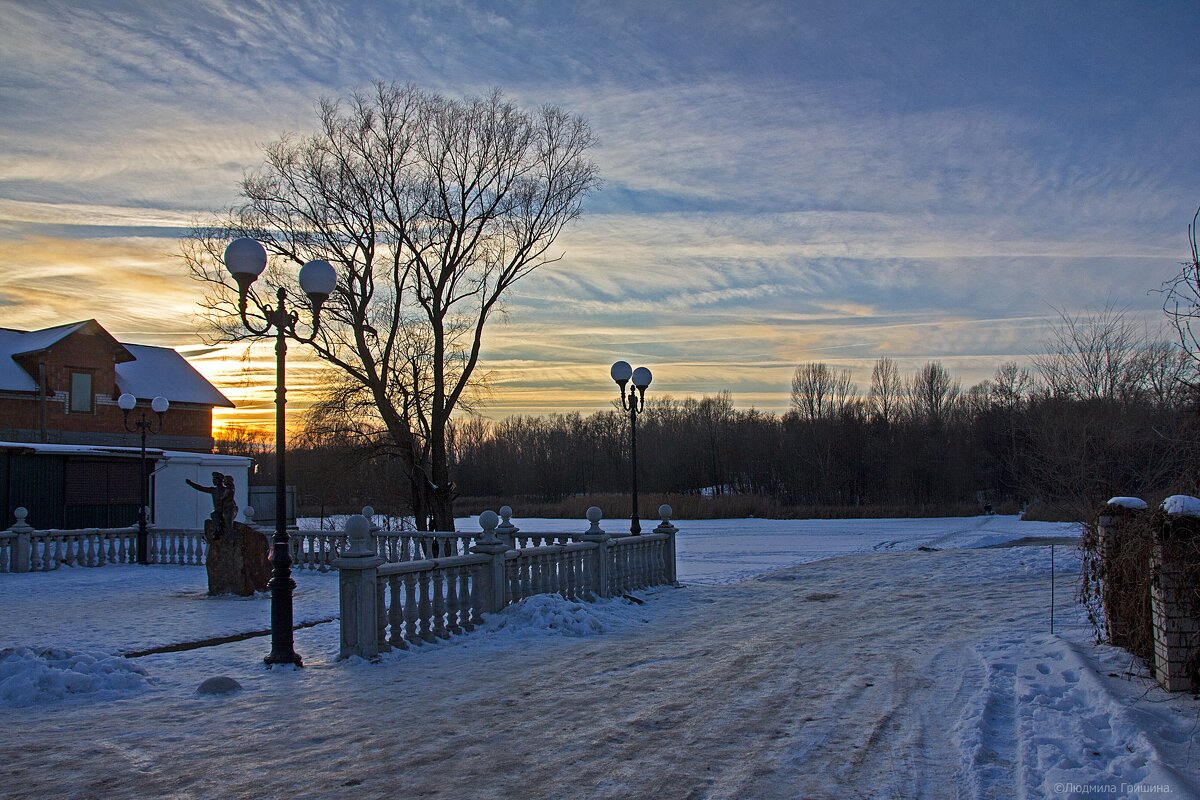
x: 784, y: 182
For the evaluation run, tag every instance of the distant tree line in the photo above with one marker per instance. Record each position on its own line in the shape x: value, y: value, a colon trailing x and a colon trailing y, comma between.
x: 1105, y: 410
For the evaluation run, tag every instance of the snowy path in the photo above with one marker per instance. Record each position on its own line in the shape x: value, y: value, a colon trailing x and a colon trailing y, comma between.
x: 883, y: 675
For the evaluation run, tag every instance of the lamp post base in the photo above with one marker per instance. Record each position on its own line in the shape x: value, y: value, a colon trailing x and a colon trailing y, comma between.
x: 283, y: 658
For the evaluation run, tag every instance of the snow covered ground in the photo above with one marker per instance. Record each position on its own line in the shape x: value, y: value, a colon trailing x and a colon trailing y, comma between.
x: 804, y: 659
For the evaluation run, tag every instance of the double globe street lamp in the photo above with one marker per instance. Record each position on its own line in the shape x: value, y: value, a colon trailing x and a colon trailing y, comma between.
x: 622, y: 373
x: 245, y: 259
x: 127, y: 402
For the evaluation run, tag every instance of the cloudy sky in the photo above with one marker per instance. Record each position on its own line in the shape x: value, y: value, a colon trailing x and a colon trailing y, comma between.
x: 784, y: 182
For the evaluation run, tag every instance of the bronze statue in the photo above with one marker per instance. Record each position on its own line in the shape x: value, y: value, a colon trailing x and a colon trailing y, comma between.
x: 224, y: 502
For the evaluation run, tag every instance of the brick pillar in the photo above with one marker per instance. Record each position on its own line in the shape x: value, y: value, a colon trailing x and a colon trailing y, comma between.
x: 1112, y: 530
x: 1175, y: 611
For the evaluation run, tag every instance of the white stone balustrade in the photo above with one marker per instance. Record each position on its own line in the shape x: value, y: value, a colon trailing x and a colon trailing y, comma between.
x: 26, y: 549
x: 414, y: 601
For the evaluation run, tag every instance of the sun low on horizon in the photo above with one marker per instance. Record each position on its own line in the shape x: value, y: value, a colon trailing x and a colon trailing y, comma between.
x: 782, y: 183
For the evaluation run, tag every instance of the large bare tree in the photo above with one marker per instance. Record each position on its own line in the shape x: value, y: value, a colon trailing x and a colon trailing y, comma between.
x: 1182, y: 299
x: 430, y: 208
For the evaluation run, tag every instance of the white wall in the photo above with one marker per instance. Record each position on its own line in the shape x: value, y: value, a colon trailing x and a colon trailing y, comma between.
x: 177, y: 505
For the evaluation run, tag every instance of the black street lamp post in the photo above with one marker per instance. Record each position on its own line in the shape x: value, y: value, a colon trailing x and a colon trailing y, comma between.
x: 246, y: 259
x: 622, y: 373
x: 126, y: 402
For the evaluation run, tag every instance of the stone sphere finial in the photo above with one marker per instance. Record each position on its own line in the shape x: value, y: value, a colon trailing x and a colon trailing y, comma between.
x: 368, y: 512
x: 594, y: 515
x: 359, y: 532
x: 488, y: 521
x: 21, y: 512
x: 665, y: 512
x: 248, y: 514
x: 506, y: 526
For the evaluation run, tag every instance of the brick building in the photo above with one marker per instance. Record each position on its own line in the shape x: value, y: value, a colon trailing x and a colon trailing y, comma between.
x: 64, y: 452
x: 60, y: 386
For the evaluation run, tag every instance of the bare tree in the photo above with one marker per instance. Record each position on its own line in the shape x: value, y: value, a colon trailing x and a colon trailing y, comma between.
x: 932, y: 394
x: 819, y: 392
x: 887, y: 388
x: 1091, y: 356
x: 1011, y: 385
x: 430, y: 208
x: 1181, y: 300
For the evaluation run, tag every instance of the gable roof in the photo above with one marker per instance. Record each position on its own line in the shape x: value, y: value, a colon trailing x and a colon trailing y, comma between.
x: 142, y: 370
x: 33, y: 342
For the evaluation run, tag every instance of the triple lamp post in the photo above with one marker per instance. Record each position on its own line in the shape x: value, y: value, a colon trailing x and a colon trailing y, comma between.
x: 127, y: 402
x: 245, y: 259
x: 622, y: 373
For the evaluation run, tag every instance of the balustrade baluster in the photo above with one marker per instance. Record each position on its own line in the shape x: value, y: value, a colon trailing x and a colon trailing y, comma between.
x: 452, y: 607
x: 426, y: 609
x: 410, y: 608
x: 439, y: 605
x: 395, y: 612
x: 511, y: 581
x: 615, y: 573
x: 526, y: 567
x: 476, y: 595
x: 466, y: 597
x: 568, y: 562
x: 536, y: 577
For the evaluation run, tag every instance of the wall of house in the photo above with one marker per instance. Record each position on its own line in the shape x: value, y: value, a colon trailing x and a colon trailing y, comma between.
x: 184, y: 427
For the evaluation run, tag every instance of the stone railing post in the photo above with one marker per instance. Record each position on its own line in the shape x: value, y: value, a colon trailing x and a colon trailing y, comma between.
x: 664, y: 513
x: 506, y: 530
x: 357, y: 592
x: 491, y: 545
x: 600, y: 567
x: 369, y: 513
x: 22, y: 549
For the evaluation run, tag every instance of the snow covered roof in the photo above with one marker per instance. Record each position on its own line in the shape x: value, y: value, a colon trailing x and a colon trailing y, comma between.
x: 142, y: 370
x: 162, y: 371
x: 80, y: 449
x: 12, y: 377
x: 153, y: 452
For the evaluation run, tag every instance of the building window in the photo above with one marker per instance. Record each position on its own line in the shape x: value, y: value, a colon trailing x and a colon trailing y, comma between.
x: 81, y: 393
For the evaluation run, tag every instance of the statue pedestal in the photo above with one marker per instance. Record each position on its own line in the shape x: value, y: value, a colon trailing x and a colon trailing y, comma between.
x: 237, y: 564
